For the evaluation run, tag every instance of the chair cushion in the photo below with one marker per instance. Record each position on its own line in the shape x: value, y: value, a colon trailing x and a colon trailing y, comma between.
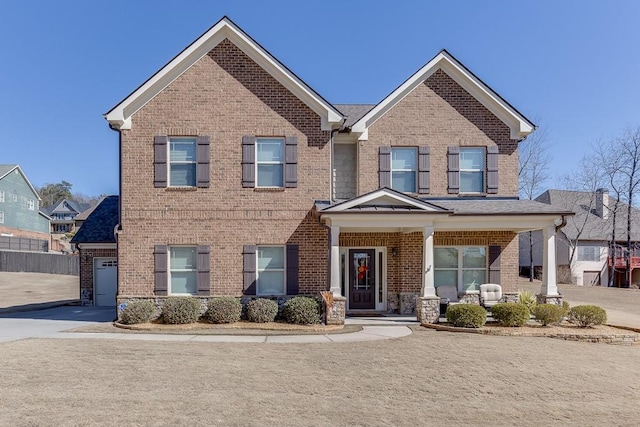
x: 449, y: 292
x: 490, y: 293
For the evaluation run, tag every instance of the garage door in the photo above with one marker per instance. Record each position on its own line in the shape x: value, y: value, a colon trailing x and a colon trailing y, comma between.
x: 591, y: 278
x: 106, y: 281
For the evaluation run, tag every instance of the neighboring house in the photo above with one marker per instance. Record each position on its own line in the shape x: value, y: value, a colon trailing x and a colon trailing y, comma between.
x: 588, y: 235
x: 63, y: 214
x: 20, y: 215
x: 96, y: 244
x: 238, y: 178
x: 82, y: 216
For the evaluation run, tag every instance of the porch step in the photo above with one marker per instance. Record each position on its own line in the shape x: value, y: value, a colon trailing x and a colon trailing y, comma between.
x: 381, y: 320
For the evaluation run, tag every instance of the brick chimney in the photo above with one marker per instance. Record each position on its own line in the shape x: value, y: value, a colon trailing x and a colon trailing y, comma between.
x: 602, y: 203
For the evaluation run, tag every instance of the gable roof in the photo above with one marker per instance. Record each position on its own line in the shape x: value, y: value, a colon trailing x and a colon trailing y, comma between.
x: 384, y: 200
x: 7, y: 169
x: 353, y: 112
x: 519, y: 125
x: 119, y: 117
x: 100, y: 225
x: 66, y: 205
x: 586, y: 225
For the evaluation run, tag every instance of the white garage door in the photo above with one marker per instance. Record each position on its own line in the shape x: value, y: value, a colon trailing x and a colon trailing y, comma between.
x: 106, y: 281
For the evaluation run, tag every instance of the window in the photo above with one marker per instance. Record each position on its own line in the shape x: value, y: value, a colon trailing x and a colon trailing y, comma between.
x: 1, y: 217
x: 271, y: 270
x: 31, y: 204
x: 270, y: 162
x: 14, y: 197
x: 588, y: 253
x: 403, y: 169
x: 464, y: 267
x: 182, y: 162
x: 472, y: 170
x: 1, y: 196
x: 182, y: 270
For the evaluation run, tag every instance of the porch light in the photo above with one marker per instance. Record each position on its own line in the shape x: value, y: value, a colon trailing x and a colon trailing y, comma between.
x: 394, y: 251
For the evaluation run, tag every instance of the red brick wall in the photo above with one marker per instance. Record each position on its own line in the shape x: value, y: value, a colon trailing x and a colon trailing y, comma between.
x: 25, y: 233
x: 86, y: 271
x: 225, y: 95
x: 439, y: 113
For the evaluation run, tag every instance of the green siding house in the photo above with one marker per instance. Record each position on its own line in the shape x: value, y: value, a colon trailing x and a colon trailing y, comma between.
x: 20, y: 214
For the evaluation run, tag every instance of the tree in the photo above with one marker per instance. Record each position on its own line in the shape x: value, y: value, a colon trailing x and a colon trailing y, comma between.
x: 52, y: 193
x: 533, y: 172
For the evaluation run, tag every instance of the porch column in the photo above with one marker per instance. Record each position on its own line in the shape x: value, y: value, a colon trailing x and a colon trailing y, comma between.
x: 549, y: 280
x: 428, y: 288
x: 336, y: 289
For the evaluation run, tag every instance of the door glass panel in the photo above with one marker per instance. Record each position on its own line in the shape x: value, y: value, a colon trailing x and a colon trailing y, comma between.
x: 361, y: 263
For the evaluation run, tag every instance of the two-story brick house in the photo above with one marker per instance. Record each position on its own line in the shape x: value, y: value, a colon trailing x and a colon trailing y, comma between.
x: 237, y: 178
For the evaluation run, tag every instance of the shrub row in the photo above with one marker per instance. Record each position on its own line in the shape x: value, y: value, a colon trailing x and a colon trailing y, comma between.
x: 182, y: 310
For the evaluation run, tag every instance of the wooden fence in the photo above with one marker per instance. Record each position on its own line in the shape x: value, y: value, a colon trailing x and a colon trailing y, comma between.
x: 9, y: 243
x: 34, y: 262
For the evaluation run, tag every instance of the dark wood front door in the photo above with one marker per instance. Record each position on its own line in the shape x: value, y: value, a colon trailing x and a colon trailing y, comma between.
x: 362, y: 279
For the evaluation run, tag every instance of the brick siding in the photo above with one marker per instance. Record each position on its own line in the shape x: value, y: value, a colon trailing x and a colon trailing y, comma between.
x: 15, y: 232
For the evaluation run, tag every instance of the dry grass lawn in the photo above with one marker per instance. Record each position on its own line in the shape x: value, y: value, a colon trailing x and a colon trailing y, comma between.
x: 427, y: 378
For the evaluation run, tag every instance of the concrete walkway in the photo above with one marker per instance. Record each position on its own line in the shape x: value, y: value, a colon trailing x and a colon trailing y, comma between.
x: 53, y: 322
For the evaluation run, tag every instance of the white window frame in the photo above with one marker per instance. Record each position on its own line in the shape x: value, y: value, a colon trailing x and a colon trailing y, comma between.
x: 182, y: 270
x: 461, y: 269
x: 1, y: 196
x: 482, y: 170
x: 182, y: 162
x: 283, y: 269
x: 259, y: 162
x: 414, y: 170
x: 31, y: 204
x: 594, y: 253
x: 1, y: 217
x: 14, y: 197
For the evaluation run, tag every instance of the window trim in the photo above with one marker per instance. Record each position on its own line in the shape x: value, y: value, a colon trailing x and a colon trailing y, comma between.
x: 170, y: 270
x: 1, y: 196
x: 414, y: 170
x: 483, y: 171
x: 31, y: 204
x: 283, y: 269
x: 460, y: 268
x: 258, y: 162
x: 182, y: 162
x: 1, y: 217
x: 596, y: 250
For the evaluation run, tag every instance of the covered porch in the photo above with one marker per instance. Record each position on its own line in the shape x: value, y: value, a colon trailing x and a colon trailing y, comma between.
x: 388, y: 251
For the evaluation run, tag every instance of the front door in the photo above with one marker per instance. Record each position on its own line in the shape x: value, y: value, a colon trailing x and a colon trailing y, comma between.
x: 362, y: 279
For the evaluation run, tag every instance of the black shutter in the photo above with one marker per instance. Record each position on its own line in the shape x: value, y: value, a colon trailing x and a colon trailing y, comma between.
x: 494, y: 264
x: 292, y: 270
x: 492, y: 169
x: 161, y: 269
x: 291, y: 162
x: 423, y: 169
x: 249, y: 268
x: 203, y: 261
x: 453, y: 170
x: 248, y: 161
x: 384, y: 174
x: 160, y: 161
x: 203, y: 159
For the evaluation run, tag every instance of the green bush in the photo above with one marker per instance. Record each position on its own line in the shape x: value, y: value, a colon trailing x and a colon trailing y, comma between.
x: 142, y: 311
x: 466, y: 315
x: 587, y: 315
x: 181, y: 310
x: 301, y: 311
x: 262, y: 310
x: 548, y: 314
x: 510, y: 314
x: 527, y: 298
x: 565, y: 308
x: 223, y: 310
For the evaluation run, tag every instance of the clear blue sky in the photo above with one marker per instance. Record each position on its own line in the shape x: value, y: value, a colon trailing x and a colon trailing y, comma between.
x: 573, y: 66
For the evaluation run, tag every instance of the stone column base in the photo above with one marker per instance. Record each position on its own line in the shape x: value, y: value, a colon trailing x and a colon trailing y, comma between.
x: 470, y: 297
x: 428, y: 309
x: 408, y: 302
x: 549, y: 299
x: 335, y: 313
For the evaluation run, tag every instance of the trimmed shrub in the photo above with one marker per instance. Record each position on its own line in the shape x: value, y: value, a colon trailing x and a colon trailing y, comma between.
x: 527, y: 298
x: 587, y: 315
x: 510, y: 314
x: 466, y: 315
x: 223, y: 310
x: 548, y: 314
x: 565, y: 308
x: 181, y: 310
x: 142, y: 311
x: 262, y: 310
x: 301, y: 311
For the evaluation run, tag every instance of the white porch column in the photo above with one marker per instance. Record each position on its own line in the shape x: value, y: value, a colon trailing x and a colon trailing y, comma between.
x: 549, y: 280
x: 428, y: 288
x: 336, y: 289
